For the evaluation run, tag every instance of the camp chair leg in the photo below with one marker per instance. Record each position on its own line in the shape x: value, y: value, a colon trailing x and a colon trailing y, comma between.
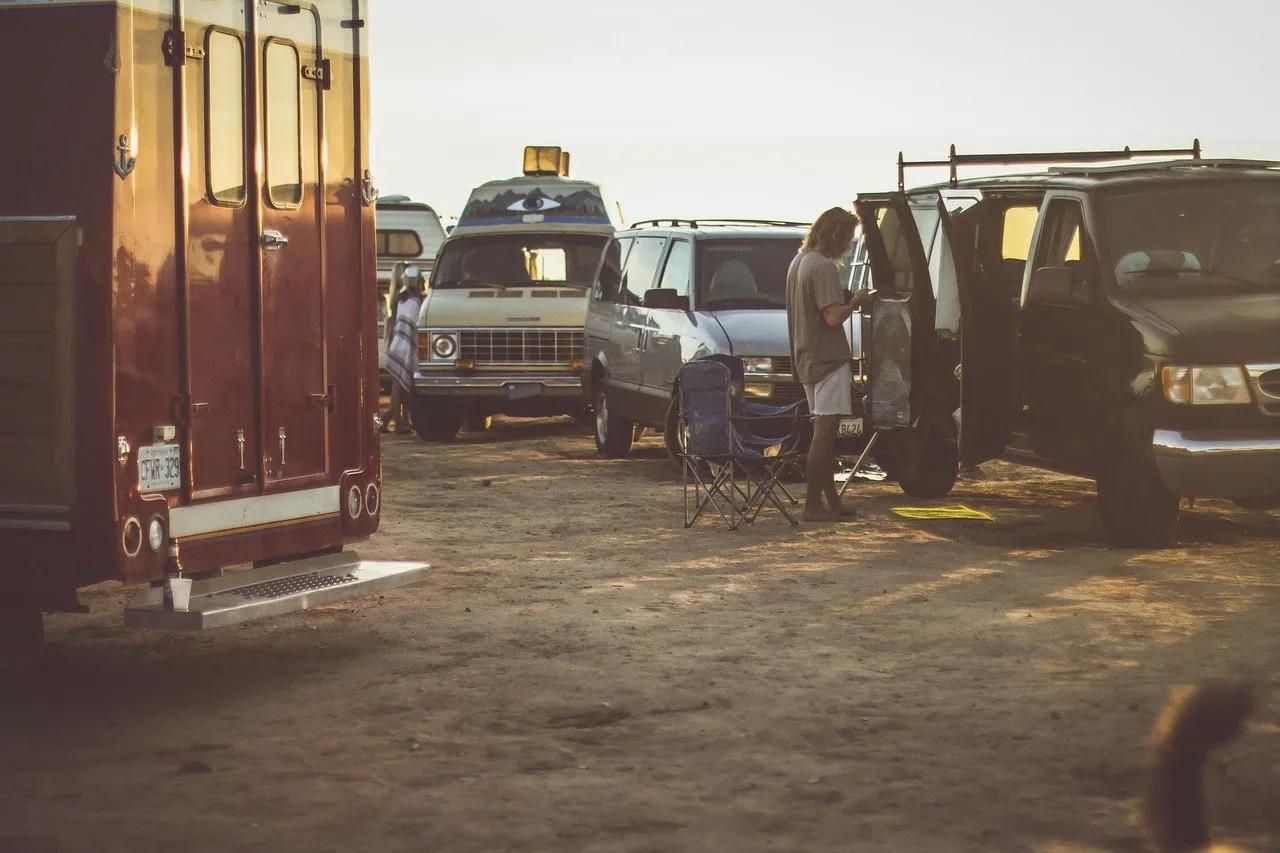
x: 861, y: 457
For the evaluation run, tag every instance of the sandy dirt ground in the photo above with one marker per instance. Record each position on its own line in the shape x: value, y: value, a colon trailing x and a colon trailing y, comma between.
x: 582, y: 673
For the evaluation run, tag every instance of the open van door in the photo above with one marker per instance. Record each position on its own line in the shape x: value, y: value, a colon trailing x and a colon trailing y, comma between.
x: 986, y: 327
x: 898, y: 267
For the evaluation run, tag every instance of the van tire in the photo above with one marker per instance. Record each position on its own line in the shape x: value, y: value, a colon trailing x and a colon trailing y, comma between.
x: 924, y: 462
x: 436, y: 420
x: 1137, y: 510
x: 613, y: 433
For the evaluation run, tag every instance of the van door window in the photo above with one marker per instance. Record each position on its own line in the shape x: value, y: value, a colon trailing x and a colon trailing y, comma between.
x: 1017, y: 226
x: 676, y: 274
x: 896, y: 247
x: 224, y: 117
x: 609, y: 280
x: 641, y: 269
x: 1063, y: 242
x: 284, y: 125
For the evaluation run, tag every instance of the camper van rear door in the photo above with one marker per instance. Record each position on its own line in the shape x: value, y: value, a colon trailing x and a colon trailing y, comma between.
x: 294, y: 340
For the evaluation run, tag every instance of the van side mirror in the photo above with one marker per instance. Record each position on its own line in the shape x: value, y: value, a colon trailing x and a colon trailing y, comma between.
x: 1051, y: 286
x: 665, y: 298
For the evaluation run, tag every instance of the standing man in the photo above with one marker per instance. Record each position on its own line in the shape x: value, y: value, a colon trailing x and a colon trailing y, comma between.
x: 817, y: 307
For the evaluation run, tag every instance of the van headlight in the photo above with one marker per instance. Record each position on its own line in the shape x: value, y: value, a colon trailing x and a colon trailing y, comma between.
x: 444, y: 346
x: 1205, y: 386
x: 757, y: 365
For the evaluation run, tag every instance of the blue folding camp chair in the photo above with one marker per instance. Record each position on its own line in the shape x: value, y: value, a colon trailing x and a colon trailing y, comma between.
x: 730, y: 466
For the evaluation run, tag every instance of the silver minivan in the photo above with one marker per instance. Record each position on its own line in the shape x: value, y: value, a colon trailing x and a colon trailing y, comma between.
x: 670, y: 291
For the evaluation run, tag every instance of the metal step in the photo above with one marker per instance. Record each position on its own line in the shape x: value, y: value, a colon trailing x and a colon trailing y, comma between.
x: 269, y: 591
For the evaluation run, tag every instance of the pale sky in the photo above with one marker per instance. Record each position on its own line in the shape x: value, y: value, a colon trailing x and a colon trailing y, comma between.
x: 781, y: 109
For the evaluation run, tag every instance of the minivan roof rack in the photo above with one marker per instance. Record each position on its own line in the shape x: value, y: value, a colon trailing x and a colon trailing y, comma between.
x: 695, y: 223
x: 954, y: 161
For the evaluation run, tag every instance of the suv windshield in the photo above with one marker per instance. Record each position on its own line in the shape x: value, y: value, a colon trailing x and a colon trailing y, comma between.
x: 745, y: 273
x: 519, y: 260
x: 1209, y: 236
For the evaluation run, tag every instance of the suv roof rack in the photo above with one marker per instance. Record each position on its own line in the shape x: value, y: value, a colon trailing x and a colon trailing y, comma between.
x: 696, y: 223
x: 954, y: 161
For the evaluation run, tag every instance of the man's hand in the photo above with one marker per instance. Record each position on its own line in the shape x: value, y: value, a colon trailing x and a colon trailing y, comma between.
x: 862, y: 298
x: 835, y: 315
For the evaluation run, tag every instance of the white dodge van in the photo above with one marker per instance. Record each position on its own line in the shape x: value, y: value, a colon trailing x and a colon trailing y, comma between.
x: 501, y: 328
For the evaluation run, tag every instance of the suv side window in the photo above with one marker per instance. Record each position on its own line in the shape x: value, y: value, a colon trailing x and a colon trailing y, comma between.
x: 610, y: 277
x: 677, y: 273
x: 641, y: 269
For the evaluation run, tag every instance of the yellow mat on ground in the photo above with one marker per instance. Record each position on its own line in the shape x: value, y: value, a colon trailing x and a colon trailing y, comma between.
x: 928, y: 512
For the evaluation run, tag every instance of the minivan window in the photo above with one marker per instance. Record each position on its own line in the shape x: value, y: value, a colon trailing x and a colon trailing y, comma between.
x: 750, y: 272
x: 519, y: 260
x: 677, y: 272
x: 610, y: 278
x: 1219, y: 236
x: 641, y: 268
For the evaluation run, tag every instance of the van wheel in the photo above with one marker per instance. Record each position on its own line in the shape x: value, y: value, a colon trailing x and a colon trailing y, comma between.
x: 613, y: 433
x: 924, y: 463
x: 21, y: 634
x: 477, y: 422
x: 1137, y: 510
x: 436, y: 420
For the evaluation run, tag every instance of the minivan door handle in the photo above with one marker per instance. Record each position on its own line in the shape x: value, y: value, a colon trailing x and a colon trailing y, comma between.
x: 273, y: 239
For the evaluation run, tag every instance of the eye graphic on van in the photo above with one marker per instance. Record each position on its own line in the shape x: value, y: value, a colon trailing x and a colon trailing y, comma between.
x: 534, y: 201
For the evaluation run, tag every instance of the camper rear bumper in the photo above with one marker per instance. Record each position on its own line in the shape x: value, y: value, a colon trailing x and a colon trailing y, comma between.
x: 1218, y: 464
x: 508, y: 387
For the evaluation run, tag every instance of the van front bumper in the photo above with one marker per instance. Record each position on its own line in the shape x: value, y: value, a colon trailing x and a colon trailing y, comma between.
x: 507, y: 387
x: 1218, y: 463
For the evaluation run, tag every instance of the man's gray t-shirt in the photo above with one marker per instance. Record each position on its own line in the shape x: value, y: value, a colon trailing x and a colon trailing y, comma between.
x: 813, y: 283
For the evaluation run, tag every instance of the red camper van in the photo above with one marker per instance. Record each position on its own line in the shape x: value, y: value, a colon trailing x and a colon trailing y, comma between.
x: 188, y: 374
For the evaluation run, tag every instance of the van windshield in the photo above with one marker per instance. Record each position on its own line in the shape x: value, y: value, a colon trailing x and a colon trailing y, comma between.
x: 1212, y: 236
x: 519, y: 260
x: 745, y: 273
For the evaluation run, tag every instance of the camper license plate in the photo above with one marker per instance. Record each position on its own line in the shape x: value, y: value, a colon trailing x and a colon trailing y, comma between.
x: 159, y: 467
x: 849, y: 428
x: 523, y: 390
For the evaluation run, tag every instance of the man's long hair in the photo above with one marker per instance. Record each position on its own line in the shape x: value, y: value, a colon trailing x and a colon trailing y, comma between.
x: 830, y: 233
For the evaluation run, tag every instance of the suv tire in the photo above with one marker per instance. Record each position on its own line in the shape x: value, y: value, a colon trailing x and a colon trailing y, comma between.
x: 435, y: 419
x: 925, y: 463
x: 1137, y: 510
x: 613, y: 433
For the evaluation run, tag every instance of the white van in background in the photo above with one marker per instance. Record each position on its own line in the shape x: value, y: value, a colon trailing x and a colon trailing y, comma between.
x: 408, y: 231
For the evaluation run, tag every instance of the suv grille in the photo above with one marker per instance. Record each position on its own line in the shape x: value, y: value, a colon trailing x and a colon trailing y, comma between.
x: 521, y: 346
x: 782, y: 364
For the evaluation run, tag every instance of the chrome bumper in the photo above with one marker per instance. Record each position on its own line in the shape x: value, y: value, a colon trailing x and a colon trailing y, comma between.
x: 481, y: 385
x: 1218, y: 464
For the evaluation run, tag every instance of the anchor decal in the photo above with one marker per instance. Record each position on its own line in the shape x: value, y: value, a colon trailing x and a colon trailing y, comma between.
x: 368, y: 191
x: 123, y: 164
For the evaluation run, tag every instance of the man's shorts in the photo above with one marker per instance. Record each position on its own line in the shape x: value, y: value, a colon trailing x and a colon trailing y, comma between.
x: 832, y: 395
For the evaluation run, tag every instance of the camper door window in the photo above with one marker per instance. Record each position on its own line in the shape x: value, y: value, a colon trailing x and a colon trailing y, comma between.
x: 224, y: 117
x: 519, y: 260
x: 284, y: 125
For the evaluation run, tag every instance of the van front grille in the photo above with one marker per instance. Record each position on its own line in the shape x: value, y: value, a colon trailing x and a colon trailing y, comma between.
x: 521, y: 346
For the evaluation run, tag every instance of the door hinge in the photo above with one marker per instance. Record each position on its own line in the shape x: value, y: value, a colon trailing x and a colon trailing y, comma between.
x: 320, y: 72
x: 176, y: 50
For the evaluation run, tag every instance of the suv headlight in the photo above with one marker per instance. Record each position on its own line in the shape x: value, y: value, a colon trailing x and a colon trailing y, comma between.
x: 444, y: 346
x: 758, y: 365
x: 1205, y: 386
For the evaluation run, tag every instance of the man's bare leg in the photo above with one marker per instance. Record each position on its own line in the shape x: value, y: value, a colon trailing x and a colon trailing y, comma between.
x: 819, y: 469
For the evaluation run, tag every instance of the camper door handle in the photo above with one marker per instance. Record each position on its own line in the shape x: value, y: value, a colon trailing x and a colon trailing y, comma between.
x: 273, y: 239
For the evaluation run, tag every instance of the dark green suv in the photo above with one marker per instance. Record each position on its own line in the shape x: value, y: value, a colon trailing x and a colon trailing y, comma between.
x: 1116, y: 322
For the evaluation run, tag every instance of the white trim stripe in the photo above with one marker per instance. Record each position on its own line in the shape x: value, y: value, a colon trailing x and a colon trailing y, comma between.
x: 229, y: 515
